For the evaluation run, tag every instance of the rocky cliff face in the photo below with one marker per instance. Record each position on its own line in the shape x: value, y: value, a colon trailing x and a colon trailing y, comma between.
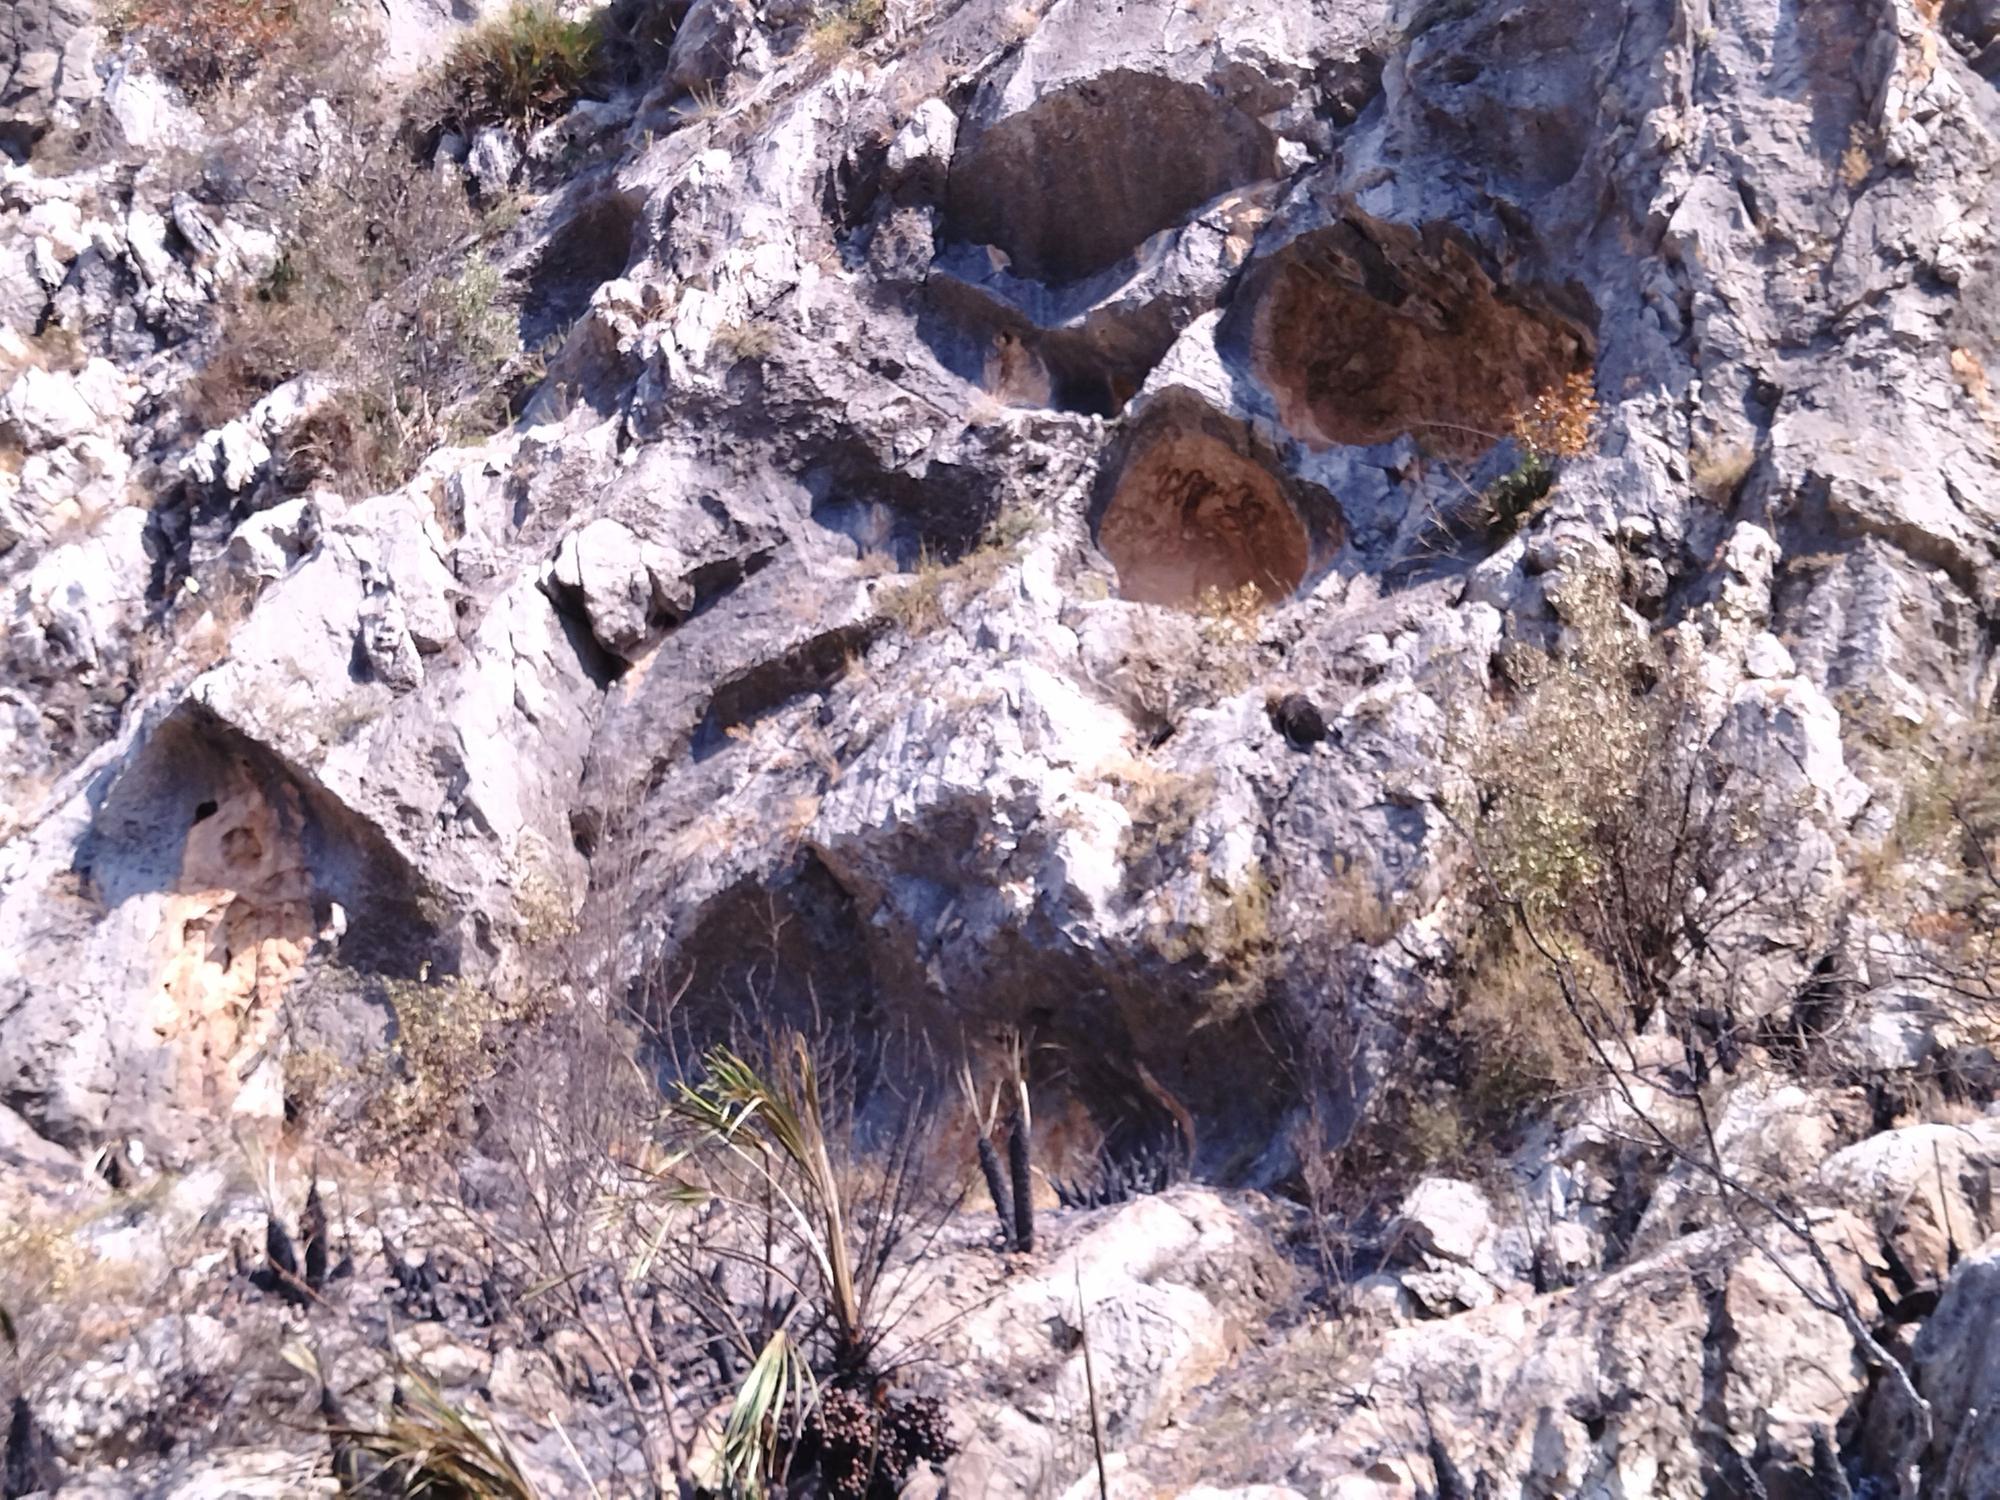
x: 1154, y: 529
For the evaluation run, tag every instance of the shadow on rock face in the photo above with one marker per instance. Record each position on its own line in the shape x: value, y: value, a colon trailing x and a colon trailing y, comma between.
x: 1196, y: 507
x: 1364, y: 332
x: 592, y: 247
x: 1082, y: 177
x: 207, y: 816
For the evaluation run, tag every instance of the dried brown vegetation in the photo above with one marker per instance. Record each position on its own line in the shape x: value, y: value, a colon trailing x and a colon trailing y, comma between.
x: 204, y: 46
x: 382, y: 291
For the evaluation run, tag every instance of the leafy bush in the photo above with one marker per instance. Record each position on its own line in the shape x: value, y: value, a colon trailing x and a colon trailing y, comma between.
x: 1559, y: 773
x: 446, y: 1047
x: 522, y: 69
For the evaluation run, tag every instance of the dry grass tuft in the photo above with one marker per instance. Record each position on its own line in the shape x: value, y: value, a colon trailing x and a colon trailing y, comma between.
x: 838, y: 29
x: 924, y: 602
x: 521, y: 69
x: 203, y: 47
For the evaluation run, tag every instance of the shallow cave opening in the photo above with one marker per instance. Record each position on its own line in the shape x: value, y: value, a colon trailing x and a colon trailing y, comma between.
x: 1189, y: 513
x: 592, y: 247
x: 1365, y: 333
x: 1084, y: 176
x: 1037, y: 357
x: 886, y: 513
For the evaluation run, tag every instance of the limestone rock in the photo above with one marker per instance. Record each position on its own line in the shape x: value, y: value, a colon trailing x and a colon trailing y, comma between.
x: 920, y: 155
x: 42, y: 409
x: 1955, y: 1370
x: 708, y: 43
x: 939, y: 461
x: 628, y: 590
x: 493, y: 159
x: 228, y: 460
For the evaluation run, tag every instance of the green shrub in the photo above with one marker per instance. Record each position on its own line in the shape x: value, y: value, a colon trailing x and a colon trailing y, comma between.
x: 1555, y: 778
x: 1513, y: 497
x: 446, y: 1046
x: 522, y: 69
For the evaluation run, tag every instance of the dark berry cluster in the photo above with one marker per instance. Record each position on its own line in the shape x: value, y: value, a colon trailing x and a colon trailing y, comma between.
x: 866, y: 1448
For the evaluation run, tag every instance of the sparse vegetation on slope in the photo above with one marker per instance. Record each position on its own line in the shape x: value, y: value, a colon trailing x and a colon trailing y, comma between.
x: 205, y: 46
x: 383, y: 293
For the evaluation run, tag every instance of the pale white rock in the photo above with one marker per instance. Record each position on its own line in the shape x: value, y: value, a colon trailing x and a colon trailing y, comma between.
x: 493, y: 158
x: 1766, y: 657
x: 1447, y: 1218
x: 626, y: 588
x: 148, y: 110
x: 228, y: 459
x: 80, y: 598
x: 47, y: 263
x: 410, y: 555
x: 146, y: 239
x: 266, y: 545
x: 920, y: 154
x: 42, y: 408
x: 275, y: 414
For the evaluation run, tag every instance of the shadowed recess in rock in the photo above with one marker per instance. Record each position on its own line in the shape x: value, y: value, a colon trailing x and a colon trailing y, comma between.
x: 1363, y: 336
x: 1083, y: 177
x: 1191, y: 515
x: 593, y: 247
x: 212, y: 820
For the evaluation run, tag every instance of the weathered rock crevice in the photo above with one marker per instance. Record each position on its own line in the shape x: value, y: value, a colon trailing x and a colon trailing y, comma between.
x: 593, y: 245
x: 162, y: 825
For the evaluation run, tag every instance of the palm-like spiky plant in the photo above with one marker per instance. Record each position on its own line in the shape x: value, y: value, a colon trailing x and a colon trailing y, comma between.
x: 774, y: 1397
x: 434, y: 1450
x: 776, y: 1126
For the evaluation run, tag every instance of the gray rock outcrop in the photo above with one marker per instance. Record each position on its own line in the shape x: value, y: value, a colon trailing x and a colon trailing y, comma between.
x: 924, y: 462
